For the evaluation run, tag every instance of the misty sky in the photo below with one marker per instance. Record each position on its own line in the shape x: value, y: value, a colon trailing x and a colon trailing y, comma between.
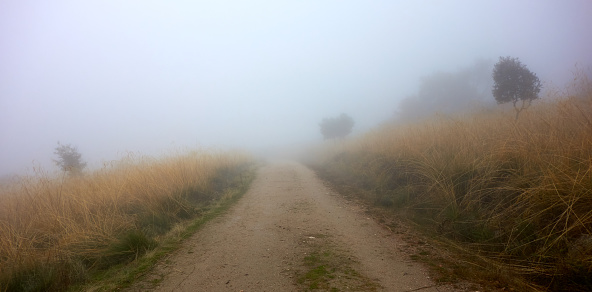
x: 111, y: 76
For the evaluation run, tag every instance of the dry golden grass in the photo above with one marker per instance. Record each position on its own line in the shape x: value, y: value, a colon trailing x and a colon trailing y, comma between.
x: 54, y: 230
x: 517, y: 193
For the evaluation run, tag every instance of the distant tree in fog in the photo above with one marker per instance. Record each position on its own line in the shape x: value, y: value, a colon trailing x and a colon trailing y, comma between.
x: 339, y: 127
x: 69, y: 159
x: 513, y: 82
x: 449, y: 93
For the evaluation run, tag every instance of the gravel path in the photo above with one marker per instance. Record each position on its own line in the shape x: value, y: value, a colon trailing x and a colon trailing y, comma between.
x: 291, y: 233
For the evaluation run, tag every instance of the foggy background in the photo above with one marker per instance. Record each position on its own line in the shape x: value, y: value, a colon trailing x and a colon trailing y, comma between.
x: 111, y: 76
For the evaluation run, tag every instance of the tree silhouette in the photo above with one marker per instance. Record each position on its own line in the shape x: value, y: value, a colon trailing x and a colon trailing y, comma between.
x: 69, y: 159
x: 514, y: 83
x: 339, y: 127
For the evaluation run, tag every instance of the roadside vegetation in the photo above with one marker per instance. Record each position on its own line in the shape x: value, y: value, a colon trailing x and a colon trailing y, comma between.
x: 513, y: 195
x: 61, y: 232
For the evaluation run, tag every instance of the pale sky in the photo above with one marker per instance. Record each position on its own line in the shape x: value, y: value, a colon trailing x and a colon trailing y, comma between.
x: 111, y: 76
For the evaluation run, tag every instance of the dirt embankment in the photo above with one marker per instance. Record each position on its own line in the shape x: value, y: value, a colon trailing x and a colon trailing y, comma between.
x: 291, y: 233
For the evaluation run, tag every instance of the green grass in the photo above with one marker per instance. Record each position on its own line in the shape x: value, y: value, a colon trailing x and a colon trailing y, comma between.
x: 319, y: 272
x: 328, y: 268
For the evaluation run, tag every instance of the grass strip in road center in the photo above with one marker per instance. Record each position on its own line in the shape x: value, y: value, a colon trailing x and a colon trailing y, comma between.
x: 329, y: 268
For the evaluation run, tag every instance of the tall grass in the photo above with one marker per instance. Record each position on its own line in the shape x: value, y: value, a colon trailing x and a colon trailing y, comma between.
x: 55, y: 231
x: 517, y: 193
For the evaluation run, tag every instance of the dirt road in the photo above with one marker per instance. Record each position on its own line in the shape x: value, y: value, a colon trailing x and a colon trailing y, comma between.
x: 291, y: 233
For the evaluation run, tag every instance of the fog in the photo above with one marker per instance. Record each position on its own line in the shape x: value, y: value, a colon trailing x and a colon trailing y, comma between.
x: 449, y: 93
x: 150, y: 76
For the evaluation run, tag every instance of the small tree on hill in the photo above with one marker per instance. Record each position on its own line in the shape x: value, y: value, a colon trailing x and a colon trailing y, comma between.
x: 515, y: 83
x: 339, y: 127
x: 69, y: 159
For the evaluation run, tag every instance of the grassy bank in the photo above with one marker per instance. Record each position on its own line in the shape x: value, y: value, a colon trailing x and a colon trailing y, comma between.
x: 515, y: 194
x: 56, y: 232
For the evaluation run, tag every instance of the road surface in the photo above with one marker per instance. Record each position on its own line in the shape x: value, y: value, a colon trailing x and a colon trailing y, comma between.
x: 290, y: 232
